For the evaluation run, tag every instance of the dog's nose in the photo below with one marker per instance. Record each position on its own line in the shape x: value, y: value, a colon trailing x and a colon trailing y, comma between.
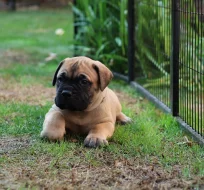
x: 66, y: 93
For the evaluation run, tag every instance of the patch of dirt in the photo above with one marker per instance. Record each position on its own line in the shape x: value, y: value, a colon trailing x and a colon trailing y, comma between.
x: 129, y: 101
x: 12, y: 57
x: 41, y: 171
x: 33, y: 95
x: 112, y: 174
x: 10, y: 144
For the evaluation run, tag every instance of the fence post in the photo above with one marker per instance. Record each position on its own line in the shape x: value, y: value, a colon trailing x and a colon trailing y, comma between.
x: 131, y: 41
x: 174, y: 70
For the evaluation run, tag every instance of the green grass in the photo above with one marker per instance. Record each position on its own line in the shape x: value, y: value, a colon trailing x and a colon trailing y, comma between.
x: 21, y: 119
x: 34, y: 32
x: 153, y: 139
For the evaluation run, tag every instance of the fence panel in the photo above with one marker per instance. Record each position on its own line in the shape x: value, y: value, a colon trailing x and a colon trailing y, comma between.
x: 169, y: 50
x: 153, y: 47
x: 191, y: 64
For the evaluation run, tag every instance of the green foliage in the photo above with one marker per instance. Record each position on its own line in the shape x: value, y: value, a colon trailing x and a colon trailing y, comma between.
x: 102, y: 31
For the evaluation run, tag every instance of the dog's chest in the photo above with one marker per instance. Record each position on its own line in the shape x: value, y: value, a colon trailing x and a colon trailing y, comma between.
x: 79, y: 123
x: 78, y: 118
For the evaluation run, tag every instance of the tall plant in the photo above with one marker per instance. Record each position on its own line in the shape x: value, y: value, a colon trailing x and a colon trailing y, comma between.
x: 102, y: 31
x: 153, y: 37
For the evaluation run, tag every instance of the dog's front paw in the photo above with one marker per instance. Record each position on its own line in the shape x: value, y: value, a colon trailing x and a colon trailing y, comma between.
x: 93, y: 142
x: 52, y: 135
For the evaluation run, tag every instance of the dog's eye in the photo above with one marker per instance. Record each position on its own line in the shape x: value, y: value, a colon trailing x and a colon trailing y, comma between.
x: 60, y: 79
x: 84, y: 81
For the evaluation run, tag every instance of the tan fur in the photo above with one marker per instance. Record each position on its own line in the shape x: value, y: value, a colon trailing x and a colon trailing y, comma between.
x: 98, y: 120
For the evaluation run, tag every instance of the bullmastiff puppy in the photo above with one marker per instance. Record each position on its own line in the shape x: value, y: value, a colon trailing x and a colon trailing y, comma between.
x: 83, y: 103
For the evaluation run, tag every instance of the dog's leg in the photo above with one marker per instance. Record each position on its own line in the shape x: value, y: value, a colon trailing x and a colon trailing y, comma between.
x: 123, y: 119
x: 99, y: 134
x: 53, y: 126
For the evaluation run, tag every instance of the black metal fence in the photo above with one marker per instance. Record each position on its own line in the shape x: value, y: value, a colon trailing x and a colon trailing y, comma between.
x: 167, y: 42
x: 166, y: 57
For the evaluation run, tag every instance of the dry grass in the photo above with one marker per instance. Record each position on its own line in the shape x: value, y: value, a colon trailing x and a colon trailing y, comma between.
x: 32, y: 95
x: 42, y: 172
x: 13, y: 56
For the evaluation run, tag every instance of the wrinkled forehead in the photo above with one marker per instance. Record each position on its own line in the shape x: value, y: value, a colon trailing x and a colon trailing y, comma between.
x: 72, y: 68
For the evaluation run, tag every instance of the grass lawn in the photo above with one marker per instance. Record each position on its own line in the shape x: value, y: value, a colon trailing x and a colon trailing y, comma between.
x: 151, y: 153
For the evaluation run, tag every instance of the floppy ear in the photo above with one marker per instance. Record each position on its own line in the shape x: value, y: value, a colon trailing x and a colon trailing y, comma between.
x: 55, y: 76
x: 104, y: 74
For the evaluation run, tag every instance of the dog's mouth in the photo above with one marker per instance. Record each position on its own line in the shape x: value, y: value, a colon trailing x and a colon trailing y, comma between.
x: 71, y: 103
x: 68, y: 107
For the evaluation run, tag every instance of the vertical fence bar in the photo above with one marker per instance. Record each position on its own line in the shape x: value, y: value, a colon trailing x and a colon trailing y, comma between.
x: 75, y: 28
x: 202, y: 72
x: 131, y: 41
x: 12, y: 5
x: 175, y: 58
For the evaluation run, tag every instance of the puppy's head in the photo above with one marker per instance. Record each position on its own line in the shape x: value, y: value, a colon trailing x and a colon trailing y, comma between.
x: 78, y: 81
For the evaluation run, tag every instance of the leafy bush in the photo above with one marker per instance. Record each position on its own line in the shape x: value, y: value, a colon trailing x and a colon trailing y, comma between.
x: 102, y: 31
